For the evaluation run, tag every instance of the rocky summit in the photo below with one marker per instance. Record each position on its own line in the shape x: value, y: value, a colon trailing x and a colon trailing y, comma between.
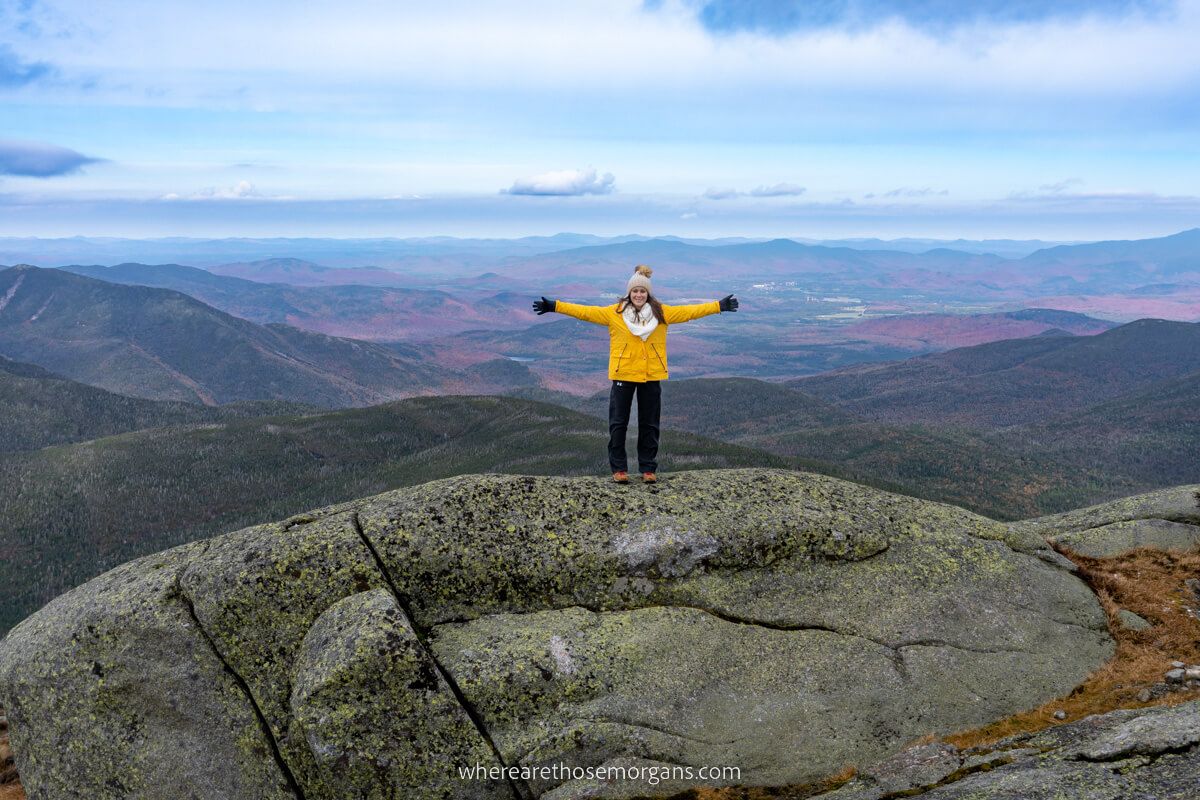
x: 783, y: 623
x: 1167, y: 519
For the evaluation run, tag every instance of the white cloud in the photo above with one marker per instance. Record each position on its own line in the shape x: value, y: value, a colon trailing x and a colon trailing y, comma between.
x: 563, y: 182
x: 242, y: 190
x: 908, y: 191
x: 1051, y: 196
x: 778, y: 190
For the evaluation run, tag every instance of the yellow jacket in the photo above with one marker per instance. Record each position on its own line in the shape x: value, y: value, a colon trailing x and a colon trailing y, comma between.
x: 629, y: 358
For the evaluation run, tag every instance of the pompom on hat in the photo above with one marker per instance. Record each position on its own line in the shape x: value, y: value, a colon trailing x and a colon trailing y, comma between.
x: 641, y: 277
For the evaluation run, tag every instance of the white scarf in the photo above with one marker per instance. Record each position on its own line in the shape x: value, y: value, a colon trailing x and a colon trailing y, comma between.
x: 640, y: 324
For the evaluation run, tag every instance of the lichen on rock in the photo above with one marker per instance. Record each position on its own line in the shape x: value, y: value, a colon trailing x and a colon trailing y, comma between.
x: 411, y: 733
x: 113, y: 691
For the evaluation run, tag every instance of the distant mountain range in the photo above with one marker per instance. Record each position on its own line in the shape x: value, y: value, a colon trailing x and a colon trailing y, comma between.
x: 459, y: 332
x: 346, y: 303
x: 162, y: 344
x: 386, y: 253
x: 787, y: 283
x: 1172, y: 254
x: 690, y: 264
x: 1008, y: 248
x: 1013, y: 382
x: 1165, y: 256
x: 298, y: 272
x: 808, y: 308
x: 399, y: 252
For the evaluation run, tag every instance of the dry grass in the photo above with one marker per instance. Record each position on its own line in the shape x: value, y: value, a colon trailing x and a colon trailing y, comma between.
x: 796, y: 792
x: 1150, y: 583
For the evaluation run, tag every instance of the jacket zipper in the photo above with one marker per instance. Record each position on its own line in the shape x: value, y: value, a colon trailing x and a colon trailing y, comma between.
x: 617, y: 371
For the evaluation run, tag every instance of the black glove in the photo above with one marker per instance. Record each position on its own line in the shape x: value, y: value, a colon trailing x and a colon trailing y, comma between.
x: 545, y: 306
x: 729, y: 303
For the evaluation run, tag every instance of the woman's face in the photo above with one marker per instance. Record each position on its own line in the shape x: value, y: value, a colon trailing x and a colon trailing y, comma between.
x: 638, y: 295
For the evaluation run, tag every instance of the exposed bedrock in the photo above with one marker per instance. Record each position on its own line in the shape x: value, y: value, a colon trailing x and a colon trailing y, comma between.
x: 781, y: 622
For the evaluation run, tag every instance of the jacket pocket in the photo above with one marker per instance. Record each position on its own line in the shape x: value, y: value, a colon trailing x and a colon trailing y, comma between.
x: 620, y: 355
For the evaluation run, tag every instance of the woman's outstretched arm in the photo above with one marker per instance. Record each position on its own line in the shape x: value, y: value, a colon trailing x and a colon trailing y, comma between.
x: 677, y: 314
x: 596, y: 314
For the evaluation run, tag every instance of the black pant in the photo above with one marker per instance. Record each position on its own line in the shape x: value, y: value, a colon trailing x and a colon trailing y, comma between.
x: 649, y: 397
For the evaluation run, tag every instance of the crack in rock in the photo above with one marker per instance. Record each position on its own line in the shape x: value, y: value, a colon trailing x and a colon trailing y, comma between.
x: 1150, y: 755
x: 186, y: 601
x: 518, y: 787
x: 953, y: 646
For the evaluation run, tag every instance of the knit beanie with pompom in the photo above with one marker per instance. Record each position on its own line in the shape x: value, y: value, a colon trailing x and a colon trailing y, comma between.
x: 641, y: 277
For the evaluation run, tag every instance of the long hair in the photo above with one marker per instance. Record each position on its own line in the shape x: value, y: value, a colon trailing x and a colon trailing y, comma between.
x: 651, y: 300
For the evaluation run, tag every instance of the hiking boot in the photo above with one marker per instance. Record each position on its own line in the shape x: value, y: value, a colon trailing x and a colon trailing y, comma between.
x: 649, y: 477
x: 621, y: 476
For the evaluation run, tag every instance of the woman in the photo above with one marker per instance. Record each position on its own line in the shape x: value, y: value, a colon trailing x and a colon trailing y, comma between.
x: 637, y: 361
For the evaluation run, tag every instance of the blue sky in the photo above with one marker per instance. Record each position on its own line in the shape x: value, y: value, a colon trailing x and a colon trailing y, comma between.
x: 1070, y: 120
